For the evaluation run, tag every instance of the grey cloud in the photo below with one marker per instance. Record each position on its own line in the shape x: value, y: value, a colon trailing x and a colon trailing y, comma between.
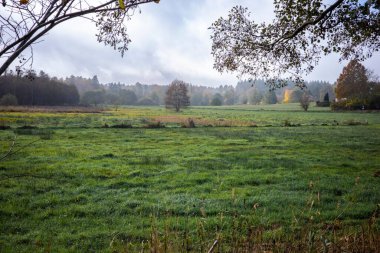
x: 169, y: 40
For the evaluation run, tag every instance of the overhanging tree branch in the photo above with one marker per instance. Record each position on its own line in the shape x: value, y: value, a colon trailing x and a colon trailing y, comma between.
x: 24, y: 25
x: 292, y: 44
x: 309, y: 23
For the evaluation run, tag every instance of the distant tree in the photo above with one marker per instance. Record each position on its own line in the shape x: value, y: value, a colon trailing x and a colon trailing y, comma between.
x: 325, y: 102
x: 305, y: 101
x: 255, y: 97
x: 270, y: 97
x: 139, y: 90
x: 374, y: 101
x: 243, y: 99
x: 146, y: 101
x: 353, y: 82
x: 206, y: 99
x: 43, y: 75
x: 326, y: 98
x: 318, y: 89
x: 328, y: 89
x: 217, y: 100
x: 291, y: 45
x: 94, y: 97
x: 196, y: 98
x: 229, y: 97
x: 155, y: 98
x: 292, y: 96
x: 95, y: 82
x: 112, y: 99
x: 127, y: 97
x: 8, y: 99
x: 32, y: 89
x: 84, y: 84
x: 176, y: 95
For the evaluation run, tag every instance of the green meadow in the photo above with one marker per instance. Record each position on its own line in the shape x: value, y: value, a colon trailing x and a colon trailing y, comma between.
x: 138, y: 179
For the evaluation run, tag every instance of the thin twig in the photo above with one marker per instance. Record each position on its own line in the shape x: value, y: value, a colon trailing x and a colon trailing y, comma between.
x: 213, y: 246
x: 10, y: 149
x: 17, y: 150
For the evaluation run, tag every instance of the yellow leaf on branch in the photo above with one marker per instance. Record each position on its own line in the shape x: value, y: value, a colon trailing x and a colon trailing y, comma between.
x: 121, y: 4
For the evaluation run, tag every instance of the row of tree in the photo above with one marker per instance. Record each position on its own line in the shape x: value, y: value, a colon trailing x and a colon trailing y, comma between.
x: 245, y: 92
x: 356, y: 88
x: 32, y: 89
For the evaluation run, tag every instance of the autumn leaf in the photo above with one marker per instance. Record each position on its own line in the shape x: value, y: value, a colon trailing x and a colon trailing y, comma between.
x: 24, y: 1
x: 121, y: 4
x: 156, y: 1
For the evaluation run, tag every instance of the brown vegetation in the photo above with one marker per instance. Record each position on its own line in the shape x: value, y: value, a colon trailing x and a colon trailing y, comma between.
x: 49, y: 109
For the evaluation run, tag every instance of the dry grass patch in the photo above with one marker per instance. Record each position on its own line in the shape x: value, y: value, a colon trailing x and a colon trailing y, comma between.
x: 184, y: 119
x: 51, y: 109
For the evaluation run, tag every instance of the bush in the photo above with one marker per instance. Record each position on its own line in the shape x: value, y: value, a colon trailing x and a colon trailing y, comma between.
x: 350, y: 104
x: 353, y: 122
x: 374, y: 102
x: 323, y: 104
x: 189, y: 124
x: 122, y: 125
x: 157, y: 124
x: 305, y: 101
x: 146, y: 101
x: 8, y: 99
x: 216, y: 101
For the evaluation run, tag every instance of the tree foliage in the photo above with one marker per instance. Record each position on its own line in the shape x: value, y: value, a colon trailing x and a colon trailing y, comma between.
x: 146, y: 101
x: 32, y: 89
x: 8, y: 99
x: 255, y: 96
x: 127, y: 97
x: 292, y: 96
x: 292, y: 44
x: 176, y: 95
x: 217, y: 100
x: 305, y: 101
x: 24, y: 23
x: 326, y: 98
x: 94, y: 97
x: 270, y: 98
x: 353, y: 82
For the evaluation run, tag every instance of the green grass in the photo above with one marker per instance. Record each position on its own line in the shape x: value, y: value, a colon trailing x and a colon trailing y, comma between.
x: 83, y: 188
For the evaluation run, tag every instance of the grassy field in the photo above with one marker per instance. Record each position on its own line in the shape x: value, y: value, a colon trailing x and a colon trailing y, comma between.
x: 255, y: 178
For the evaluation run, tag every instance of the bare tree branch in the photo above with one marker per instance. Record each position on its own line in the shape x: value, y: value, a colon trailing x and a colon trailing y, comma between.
x: 23, y: 24
x: 12, y: 152
x: 292, y: 44
x: 302, y: 27
x: 10, y: 149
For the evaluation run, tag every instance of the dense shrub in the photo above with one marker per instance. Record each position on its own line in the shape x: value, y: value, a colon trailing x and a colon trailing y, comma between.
x: 189, y: 124
x: 146, y: 101
x: 305, y: 101
x: 8, y: 99
x: 352, y: 104
x: 157, y: 124
x: 323, y: 103
x: 216, y: 102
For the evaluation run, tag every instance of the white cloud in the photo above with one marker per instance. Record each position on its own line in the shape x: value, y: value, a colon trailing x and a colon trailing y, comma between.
x: 169, y: 40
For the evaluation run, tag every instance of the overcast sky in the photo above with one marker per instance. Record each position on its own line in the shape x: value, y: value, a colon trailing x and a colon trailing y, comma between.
x: 169, y: 40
